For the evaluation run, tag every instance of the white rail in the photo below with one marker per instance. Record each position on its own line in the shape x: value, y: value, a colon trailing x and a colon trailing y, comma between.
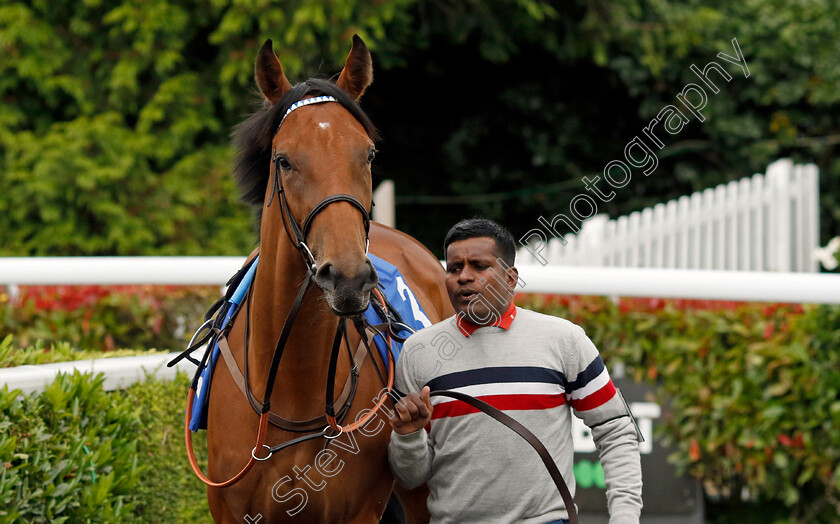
x: 758, y: 286
x: 571, y: 280
x: 120, y: 372
x: 117, y: 270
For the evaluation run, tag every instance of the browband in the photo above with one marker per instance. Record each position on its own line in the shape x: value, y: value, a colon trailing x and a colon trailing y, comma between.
x: 306, y: 102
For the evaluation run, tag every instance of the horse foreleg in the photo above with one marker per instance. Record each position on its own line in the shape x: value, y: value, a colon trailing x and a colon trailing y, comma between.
x: 413, y: 502
x: 219, y: 509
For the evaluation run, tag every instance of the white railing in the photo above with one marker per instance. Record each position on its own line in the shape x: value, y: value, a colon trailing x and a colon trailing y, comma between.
x: 552, y: 279
x: 757, y: 286
x: 384, y: 211
x: 46, y: 271
x: 760, y: 223
x: 120, y: 372
x: 667, y: 283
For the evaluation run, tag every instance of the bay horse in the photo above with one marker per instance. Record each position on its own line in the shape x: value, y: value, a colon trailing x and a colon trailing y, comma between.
x: 313, y: 167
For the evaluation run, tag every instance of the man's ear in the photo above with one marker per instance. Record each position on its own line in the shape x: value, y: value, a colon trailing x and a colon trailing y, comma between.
x: 512, y: 275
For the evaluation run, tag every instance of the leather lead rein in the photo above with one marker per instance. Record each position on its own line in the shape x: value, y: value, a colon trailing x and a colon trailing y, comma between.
x: 529, y: 437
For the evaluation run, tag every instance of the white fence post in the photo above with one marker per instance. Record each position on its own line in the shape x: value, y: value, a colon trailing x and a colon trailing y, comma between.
x: 758, y: 238
x: 383, y: 196
x: 778, y: 175
x: 593, y: 233
x: 811, y: 207
x: 758, y: 223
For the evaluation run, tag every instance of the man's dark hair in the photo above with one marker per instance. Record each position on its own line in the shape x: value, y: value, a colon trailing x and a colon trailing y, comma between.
x: 482, y: 227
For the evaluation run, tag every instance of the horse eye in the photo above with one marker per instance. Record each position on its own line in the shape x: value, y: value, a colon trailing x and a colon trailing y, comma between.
x: 371, y: 155
x: 284, y: 164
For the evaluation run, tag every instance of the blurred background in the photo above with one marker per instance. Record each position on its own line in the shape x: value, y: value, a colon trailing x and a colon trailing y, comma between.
x: 115, y: 118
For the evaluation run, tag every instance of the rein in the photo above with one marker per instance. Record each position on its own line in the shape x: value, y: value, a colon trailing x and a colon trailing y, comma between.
x: 331, y: 418
x: 529, y: 437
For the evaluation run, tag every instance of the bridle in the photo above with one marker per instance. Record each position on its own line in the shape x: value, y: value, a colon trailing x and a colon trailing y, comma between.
x: 297, y: 235
x: 289, y: 222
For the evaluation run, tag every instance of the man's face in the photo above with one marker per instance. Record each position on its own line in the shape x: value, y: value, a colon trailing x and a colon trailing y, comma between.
x: 477, y: 283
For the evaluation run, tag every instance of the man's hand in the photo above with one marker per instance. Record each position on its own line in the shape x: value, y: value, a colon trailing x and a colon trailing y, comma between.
x: 413, y: 412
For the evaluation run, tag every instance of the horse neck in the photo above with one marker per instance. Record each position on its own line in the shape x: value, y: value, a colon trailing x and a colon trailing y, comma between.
x: 280, y: 274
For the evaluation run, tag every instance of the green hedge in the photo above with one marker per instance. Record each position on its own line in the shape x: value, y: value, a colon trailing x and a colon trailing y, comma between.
x: 753, y: 392
x: 68, y: 454
x: 105, y: 317
x: 78, y: 454
x: 13, y: 355
x: 168, y: 490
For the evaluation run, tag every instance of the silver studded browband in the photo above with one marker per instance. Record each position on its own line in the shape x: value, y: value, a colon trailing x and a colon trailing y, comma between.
x: 306, y: 102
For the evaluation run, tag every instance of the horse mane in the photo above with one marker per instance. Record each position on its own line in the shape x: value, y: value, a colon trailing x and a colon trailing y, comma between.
x: 252, y: 138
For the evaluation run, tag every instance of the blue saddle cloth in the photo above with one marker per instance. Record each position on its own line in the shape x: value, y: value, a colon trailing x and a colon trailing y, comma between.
x: 391, y: 284
x: 402, y: 299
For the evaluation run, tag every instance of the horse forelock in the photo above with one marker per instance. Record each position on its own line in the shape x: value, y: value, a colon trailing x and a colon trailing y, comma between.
x: 252, y: 138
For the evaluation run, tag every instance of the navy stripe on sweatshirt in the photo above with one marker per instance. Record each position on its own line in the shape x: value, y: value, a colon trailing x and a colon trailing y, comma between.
x: 498, y: 374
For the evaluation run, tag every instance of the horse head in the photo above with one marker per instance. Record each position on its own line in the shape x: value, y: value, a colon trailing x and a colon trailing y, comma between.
x: 319, y: 146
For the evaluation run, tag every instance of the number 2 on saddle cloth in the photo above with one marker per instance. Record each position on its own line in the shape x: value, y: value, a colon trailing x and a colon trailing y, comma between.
x: 407, y: 317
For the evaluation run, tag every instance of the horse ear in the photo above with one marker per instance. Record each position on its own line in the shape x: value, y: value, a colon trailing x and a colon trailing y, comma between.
x: 269, y: 74
x: 357, y: 74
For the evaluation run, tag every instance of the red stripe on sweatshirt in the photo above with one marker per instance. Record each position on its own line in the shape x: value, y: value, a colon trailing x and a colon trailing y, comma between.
x: 595, y: 399
x: 502, y: 402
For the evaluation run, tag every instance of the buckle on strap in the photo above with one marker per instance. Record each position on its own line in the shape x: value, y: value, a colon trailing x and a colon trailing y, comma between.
x: 261, y: 459
x: 340, y: 431
x: 304, y: 249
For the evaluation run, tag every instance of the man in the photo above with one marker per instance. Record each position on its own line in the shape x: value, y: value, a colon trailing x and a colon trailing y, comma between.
x: 532, y: 366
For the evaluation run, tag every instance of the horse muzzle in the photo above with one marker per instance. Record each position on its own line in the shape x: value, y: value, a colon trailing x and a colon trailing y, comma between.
x: 347, y: 295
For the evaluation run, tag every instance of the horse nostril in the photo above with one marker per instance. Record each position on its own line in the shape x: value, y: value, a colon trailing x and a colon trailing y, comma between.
x: 325, y: 277
x: 370, y: 278
x: 346, y: 292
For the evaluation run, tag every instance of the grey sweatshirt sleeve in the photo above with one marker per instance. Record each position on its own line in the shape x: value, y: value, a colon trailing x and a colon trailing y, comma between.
x: 618, y: 449
x: 615, y: 437
x: 410, y: 456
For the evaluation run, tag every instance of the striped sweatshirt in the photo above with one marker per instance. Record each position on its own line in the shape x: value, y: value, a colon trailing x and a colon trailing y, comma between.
x: 537, y: 370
